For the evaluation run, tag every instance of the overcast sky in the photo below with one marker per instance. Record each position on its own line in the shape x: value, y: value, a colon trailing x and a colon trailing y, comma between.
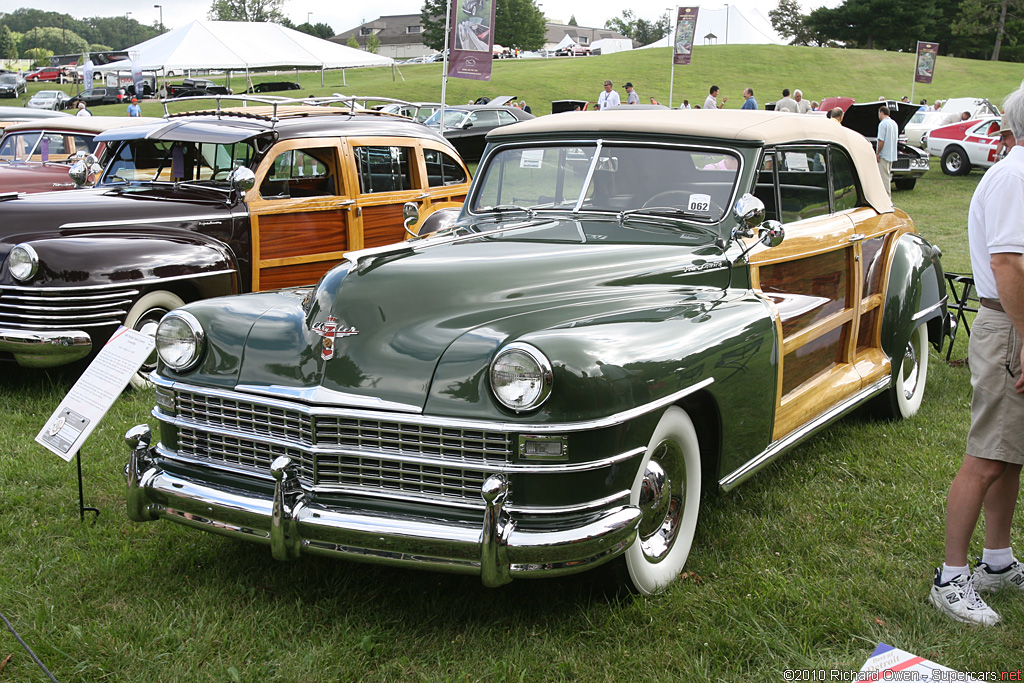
x: 347, y: 14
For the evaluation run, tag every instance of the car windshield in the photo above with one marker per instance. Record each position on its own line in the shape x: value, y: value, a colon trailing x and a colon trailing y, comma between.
x: 162, y: 160
x: 8, y: 79
x: 46, y: 95
x: 452, y: 118
x: 49, y: 146
x: 680, y: 182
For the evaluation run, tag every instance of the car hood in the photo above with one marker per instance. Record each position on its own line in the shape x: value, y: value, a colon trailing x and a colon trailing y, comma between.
x: 55, y: 214
x: 401, y: 312
x: 863, y: 117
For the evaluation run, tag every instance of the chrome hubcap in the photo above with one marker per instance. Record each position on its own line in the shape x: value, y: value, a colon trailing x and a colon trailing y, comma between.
x: 910, y: 371
x: 662, y: 499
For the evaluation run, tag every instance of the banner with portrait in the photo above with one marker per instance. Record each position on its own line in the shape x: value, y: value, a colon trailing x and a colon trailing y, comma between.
x: 927, y: 53
x: 472, y: 39
x: 686, y: 26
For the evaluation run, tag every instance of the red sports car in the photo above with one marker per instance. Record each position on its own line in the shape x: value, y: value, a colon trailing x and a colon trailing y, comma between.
x: 964, y: 145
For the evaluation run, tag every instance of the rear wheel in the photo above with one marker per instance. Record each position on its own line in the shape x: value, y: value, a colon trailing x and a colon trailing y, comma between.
x: 955, y: 161
x: 667, y: 490
x: 903, y: 398
x: 144, y: 316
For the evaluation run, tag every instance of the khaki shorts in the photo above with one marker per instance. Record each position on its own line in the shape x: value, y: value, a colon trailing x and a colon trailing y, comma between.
x: 997, y: 410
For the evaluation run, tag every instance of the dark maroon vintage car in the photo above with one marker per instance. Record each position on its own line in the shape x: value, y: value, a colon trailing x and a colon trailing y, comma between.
x: 204, y: 204
x: 36, y: 156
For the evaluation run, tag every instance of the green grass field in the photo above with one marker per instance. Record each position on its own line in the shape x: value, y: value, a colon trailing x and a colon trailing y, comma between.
x: 809, y: 565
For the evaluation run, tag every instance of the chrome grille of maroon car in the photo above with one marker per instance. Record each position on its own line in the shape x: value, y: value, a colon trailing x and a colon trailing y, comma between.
x: 332, y: 450
x: 63, y: 308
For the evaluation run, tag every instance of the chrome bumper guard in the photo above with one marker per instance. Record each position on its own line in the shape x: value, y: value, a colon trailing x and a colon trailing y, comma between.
x: 496, y: 550
x: 45, y: 349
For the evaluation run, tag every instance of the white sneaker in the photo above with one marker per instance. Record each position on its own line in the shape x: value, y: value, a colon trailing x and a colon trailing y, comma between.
x: 987, y: 580
x: 958, y: 599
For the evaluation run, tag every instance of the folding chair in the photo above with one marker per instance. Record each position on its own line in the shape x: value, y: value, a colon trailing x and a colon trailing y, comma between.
x: 965, y: 300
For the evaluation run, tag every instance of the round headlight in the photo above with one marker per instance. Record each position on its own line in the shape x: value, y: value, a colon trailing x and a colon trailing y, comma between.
x: 23, y: 262
x: 179, y: 340
x: 521, y: 377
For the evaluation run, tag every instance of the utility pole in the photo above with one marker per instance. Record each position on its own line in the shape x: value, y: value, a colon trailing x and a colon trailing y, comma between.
x: 161, y: 8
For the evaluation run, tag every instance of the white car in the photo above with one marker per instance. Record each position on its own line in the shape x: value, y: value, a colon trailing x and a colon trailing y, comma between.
x: 951, y: 112
x: 964, y: 145
x: 49, y: 99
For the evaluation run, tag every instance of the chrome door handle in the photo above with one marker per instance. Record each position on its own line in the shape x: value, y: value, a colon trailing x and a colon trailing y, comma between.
x: 857, y: 237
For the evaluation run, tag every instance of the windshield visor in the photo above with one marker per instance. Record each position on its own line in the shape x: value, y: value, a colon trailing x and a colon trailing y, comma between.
x: 611, y: 177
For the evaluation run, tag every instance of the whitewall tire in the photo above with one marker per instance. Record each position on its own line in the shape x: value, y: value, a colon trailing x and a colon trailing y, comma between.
x: 144, y: 316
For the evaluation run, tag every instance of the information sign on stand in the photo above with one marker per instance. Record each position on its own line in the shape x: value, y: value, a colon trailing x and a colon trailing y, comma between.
x: 92, y: 396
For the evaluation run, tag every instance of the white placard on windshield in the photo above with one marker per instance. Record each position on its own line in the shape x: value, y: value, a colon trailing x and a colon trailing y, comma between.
x: 700, y: 203
x: 531, y: 158
x: 94, y: 392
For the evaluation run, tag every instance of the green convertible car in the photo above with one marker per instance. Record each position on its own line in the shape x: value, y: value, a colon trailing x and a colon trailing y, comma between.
x: 629, y: 308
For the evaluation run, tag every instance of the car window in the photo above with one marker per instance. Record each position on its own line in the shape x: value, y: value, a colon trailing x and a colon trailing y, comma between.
x: 300, y: 173
x: 383, y: 169
x: 505, y: 118
x: 803, y: 183
x: 17, y: 147
x: 163, y: 160
x: 844, y: 181
x: 483, y: 118
x: 442, y: 169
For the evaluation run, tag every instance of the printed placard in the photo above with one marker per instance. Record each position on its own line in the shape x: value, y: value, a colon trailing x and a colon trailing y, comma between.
x: 700, y: 203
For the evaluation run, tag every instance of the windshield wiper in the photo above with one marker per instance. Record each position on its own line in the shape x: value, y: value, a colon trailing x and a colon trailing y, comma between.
x: 671, y: 211
x: 506, y: 208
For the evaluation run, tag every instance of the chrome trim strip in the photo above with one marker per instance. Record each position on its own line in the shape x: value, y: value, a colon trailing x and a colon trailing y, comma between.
x: 920, y: 314
x: 321, y: 396
x: 136, y: 221
x: 122, y: 285
x: 486, y: 425
x: 570, y: 509
x: 777, y: 448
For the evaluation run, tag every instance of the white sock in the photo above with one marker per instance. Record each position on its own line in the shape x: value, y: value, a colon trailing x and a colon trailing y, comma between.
x: 952, y: 572
x: 998, y: 560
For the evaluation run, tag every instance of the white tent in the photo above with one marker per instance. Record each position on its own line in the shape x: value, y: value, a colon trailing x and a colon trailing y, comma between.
x: 242, y: 46
x: 565, y: 42
x: 732, y: 26
x: 608, y: 46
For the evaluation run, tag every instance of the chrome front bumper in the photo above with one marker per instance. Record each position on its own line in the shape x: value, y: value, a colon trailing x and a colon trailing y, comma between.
x: 496, y: 550
x: 45, y: 349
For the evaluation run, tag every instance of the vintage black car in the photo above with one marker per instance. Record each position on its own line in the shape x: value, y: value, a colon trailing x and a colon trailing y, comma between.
x: 467, y: 126
x: 548, y: 385
x: 203, y: 204
x: 196, y: 87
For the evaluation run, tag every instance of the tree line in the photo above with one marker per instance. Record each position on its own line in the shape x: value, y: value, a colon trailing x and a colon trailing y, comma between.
x: 976, y: 29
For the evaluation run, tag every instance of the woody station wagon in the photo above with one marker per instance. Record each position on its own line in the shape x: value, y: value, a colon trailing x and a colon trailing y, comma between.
x: 631, y: 307
x: 209, y: 203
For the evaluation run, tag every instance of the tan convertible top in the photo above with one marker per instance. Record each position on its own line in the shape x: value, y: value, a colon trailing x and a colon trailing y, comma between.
x: 766, y: 127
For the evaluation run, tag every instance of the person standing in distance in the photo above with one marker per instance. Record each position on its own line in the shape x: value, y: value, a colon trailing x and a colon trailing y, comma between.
x: 609, y: 98
x: 631, y: 96
x: 802, y: 105
x: 748, y: 99
x: 787, y: 103
x: 885, y: 146
x: 712, y: 100
x: 989, y: 476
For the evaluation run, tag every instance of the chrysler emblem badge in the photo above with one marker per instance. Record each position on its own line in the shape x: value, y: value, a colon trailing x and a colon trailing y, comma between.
x: 329, y: 329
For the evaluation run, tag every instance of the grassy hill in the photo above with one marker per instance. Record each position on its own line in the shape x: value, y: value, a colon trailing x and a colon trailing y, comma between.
x: 818, y: 72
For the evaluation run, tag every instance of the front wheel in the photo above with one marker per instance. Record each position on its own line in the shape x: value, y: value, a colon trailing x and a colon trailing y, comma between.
x: 144, y: 316
x: 954, y: 161
x: 903, y: 398
x: 667, y: 490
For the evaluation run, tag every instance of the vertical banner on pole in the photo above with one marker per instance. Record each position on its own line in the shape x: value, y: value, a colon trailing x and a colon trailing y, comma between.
x: 927, y: 53
x: 686, y: 26
x: 472, y: 39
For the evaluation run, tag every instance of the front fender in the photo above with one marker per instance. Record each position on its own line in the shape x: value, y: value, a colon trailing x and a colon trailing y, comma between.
x: 123, y: 260
x: 915, y: 294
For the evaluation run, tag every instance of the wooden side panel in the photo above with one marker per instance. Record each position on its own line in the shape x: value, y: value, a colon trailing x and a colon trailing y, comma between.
x: 294, y: 275
x: 808, y: 290
x: 382, y: 225
x: 287, y: 235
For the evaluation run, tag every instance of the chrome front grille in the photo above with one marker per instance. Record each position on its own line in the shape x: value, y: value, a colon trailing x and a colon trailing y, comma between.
x: 901, y: 165
x: 340, y: 451
x: 63, y: 308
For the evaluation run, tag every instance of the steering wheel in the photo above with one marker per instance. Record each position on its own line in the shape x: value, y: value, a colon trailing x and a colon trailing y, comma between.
x: 673, y: 198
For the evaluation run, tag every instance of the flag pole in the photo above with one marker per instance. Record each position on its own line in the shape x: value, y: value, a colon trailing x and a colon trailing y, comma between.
x: 444, y: 61
x: 672, y: 53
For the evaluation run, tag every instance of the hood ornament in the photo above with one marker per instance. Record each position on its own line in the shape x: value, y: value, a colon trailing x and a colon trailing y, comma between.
x: 329, y: 329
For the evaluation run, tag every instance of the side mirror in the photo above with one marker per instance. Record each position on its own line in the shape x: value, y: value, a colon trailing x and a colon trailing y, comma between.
x: 467, y: 125
x: 771, y: 233
x: 242, y: 179
x: 411, y: 216
x: 82, y: 170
